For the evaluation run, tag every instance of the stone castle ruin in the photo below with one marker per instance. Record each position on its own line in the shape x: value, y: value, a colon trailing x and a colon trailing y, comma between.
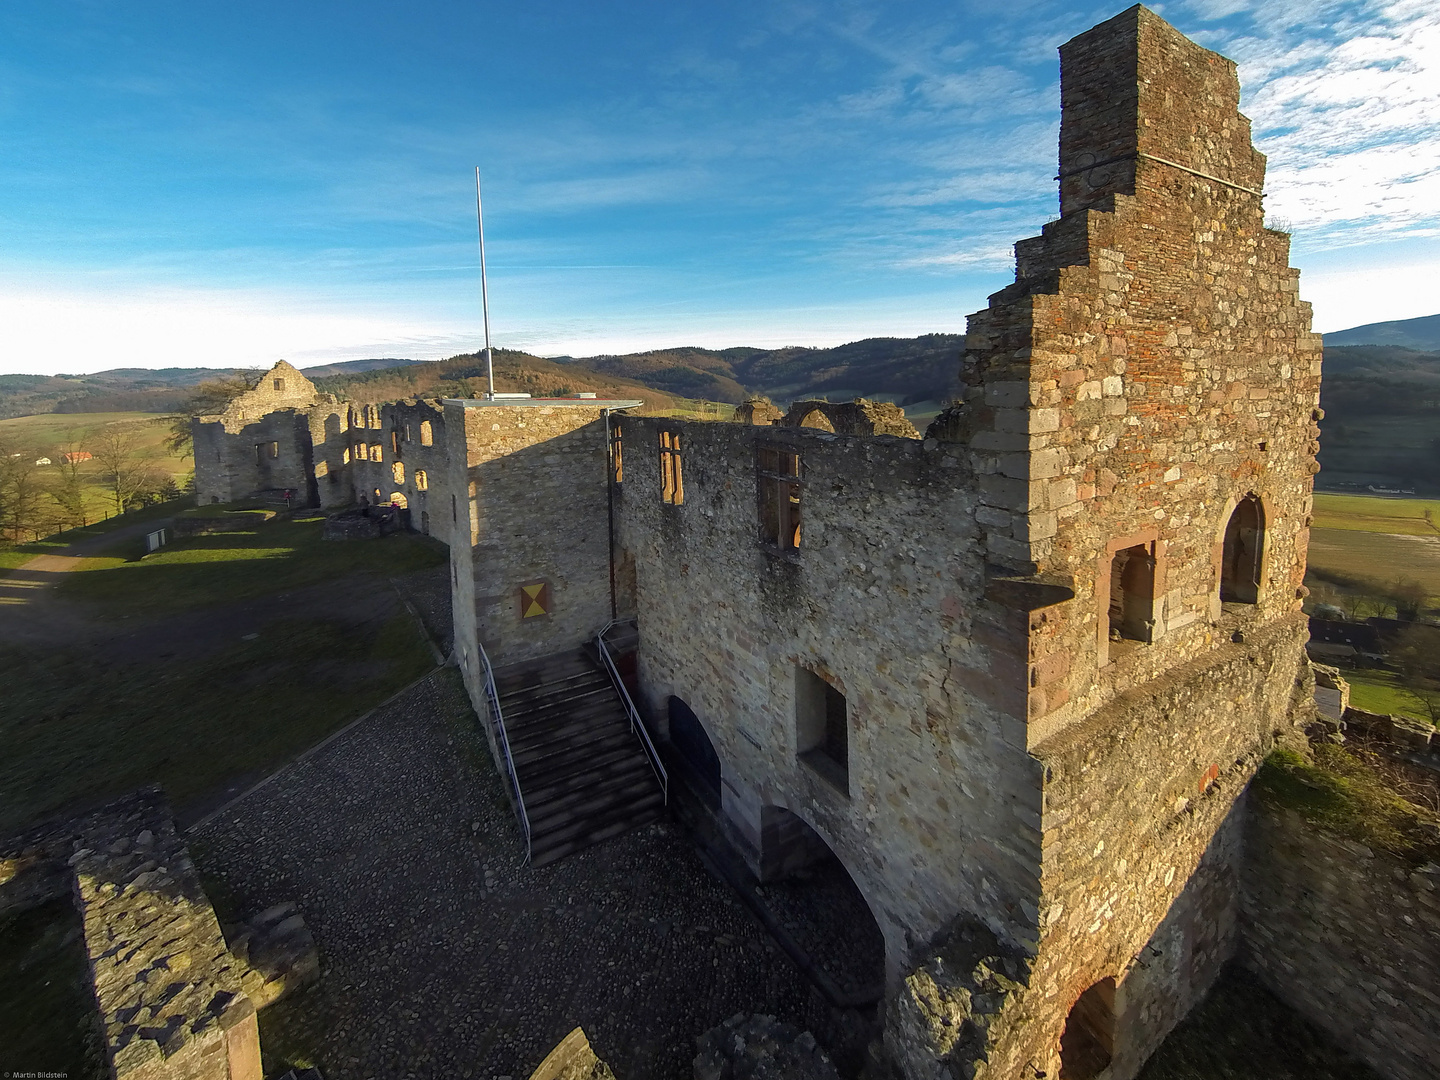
x: 1016, y: 674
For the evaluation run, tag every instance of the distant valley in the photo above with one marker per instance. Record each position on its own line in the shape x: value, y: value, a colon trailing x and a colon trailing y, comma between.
x: 1381, y: 391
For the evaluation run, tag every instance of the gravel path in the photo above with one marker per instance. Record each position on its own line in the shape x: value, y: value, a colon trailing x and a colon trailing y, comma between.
x: 444, y: 956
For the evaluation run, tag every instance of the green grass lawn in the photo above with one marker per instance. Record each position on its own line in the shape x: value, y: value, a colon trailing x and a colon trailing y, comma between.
x: 1382, y: 692
x: 215, y: 707
x: 1373, y: 513
x: 14, y: 555
x: 275, y: 556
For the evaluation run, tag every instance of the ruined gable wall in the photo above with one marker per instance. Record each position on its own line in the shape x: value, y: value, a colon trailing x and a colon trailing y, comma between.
x: 1151, y: 365
x: 883, y: 601
x: 534, y: 478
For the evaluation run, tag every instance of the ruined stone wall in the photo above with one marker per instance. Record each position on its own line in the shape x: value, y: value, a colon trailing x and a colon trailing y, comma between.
x: 533, y: 478
x: 283, y: 434
x: 1347, y: 936
x: 859, y: 417
x: 882, y: 600
x: 375, y: 451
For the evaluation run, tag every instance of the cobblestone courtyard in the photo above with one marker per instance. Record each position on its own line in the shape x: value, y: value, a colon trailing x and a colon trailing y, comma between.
x: 444, y: 956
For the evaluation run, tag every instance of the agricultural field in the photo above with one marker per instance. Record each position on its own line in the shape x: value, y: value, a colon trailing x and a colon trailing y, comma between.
x: 1366, y: 540
x: 50, y: 435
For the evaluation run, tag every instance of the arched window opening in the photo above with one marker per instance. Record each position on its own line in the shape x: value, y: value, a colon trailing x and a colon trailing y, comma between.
x: 691, y: 741
x: 427, y: 433
x: 1132, y: 594
x: 1244, y: 546
x: 397, y: 500
x: 1088, y: 1041
x: 422, y: 482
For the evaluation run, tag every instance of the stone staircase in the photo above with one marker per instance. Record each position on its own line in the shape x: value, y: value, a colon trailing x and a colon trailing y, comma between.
x: 583, y: 773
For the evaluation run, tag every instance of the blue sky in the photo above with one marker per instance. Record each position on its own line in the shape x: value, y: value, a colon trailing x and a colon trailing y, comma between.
x: 215, y: 184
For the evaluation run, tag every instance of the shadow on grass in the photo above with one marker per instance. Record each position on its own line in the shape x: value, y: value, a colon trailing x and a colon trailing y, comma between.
x: 78, y: 730
x: 277, y: 556
x: 49, y: 1022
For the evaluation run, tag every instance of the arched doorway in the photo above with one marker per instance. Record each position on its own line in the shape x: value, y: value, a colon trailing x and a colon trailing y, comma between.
x: 817, y: 902
x: 691, y: 741
x: 398, y: 500
x: 1243, y: 549
x: 1087, y: 1044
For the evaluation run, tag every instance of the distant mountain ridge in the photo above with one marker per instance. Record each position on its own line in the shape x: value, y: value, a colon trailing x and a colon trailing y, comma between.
x: 1422, y: 334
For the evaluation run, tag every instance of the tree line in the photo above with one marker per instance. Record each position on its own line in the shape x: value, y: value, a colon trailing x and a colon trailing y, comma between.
x: 46, y: 488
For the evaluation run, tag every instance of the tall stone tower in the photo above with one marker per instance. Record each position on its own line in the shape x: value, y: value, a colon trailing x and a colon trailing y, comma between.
x: 1140, y: 411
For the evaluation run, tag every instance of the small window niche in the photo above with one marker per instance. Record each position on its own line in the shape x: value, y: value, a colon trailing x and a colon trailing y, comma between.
x: 1087, y: 1044
x: 1132, y: 594
x: 1244, y: 547
x: 822, y: 729
x: 780, y: 486
x: 672, y: 483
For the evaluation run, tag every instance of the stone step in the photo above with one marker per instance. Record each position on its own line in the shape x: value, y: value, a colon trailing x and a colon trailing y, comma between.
x: 558, y: 843
x: 584, y: 804
x: 519, y: 708
x: 552, y: 760
x: 620, y: 769
x: 566, y: 726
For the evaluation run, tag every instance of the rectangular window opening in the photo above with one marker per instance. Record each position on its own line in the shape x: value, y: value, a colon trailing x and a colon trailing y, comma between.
x: 617, y: 453
x: 1132, y: 594
x: 780, y: 485
x: 672, y: 483
x: 822, y: 728
x: 279, y: 385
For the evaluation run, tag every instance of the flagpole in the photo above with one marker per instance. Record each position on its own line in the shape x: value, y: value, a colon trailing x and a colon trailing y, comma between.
x: 484, y: 294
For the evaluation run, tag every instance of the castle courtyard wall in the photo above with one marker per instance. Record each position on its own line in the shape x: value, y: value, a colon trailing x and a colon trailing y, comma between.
x: 1347, y: 936
x: 382, y: 436
x: 883, y: 600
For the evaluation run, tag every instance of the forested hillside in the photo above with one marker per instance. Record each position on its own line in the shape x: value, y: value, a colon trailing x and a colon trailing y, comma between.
x: 1382, y: 417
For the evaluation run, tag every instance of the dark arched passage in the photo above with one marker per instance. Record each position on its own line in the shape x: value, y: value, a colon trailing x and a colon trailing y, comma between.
x: 692, y: 743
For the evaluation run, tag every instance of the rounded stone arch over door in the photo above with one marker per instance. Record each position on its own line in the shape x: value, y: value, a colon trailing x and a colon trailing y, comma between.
x: 690, y: 739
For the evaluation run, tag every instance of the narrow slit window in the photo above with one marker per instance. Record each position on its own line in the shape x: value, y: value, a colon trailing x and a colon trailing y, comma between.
x: 1132, y: 594
x: 617, y: 453
x: 780, y: 487
x: 672, y: 483
x: 394, y: 440
x: 1244, y: 546
x: 274, y: 449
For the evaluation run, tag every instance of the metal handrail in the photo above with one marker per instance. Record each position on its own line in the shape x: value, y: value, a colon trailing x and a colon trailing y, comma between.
x: 636, y: 724
x: 493, y: 695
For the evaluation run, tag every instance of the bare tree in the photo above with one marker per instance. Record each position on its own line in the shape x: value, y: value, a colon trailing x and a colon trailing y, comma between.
x: 209, y: 397
x: 127, y: 468
x: 22, y: 501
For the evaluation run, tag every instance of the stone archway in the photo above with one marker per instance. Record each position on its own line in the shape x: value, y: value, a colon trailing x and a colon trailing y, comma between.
x: 692, y: 742
x: 818, y: 901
